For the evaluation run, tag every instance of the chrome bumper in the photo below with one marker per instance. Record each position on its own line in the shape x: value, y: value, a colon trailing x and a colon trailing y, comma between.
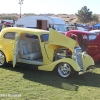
x: 89, y: 69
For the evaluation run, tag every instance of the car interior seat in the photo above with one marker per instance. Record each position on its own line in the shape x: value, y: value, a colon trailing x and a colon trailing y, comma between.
x: 29, y: 50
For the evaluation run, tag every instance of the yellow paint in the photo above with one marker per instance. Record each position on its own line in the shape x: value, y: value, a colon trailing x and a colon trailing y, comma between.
x: 56, y: 40
x: 59, y: 39
x: 88, y: 61
x: 8, y: 58
x: 7, y: 45
x: 52, y: 65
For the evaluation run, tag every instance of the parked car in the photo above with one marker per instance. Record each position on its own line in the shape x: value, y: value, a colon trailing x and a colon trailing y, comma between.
x: 45, y: 50
x: 88, y: 41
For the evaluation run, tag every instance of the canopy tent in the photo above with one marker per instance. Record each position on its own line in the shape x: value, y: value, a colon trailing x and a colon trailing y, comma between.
x: 97, y: 25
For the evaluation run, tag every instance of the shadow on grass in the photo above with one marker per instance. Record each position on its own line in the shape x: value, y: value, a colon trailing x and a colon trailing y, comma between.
x: 52, y: 79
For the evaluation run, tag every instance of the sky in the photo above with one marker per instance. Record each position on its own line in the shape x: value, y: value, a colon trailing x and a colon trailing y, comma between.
x: 49, y: 6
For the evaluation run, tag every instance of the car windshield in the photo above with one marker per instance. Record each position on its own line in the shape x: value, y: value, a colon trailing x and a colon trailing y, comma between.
x: 95, y: 31
x: 60, y: 28
x: 44, y: 37
x: 92, y: 37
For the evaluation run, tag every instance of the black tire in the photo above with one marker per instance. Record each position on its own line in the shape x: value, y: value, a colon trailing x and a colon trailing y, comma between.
x: 64, y: 70
x: 2, y: 59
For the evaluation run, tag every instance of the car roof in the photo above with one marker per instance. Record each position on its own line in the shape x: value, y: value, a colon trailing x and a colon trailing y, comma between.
x: 80, y: 32
x: 94, y: 31
x: 39, y: 31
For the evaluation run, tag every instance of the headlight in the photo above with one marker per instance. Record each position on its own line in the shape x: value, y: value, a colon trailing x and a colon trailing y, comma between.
x: 84, y: 54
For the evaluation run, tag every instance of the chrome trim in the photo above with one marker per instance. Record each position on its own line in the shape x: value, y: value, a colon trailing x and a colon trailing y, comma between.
x: 78, y: 57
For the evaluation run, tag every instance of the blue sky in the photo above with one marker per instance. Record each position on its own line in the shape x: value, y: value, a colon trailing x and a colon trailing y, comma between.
x: 49, y: 6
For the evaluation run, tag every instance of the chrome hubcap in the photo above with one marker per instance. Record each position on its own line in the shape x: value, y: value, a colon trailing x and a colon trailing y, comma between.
x: 2, y: 59
x: 64, y: 70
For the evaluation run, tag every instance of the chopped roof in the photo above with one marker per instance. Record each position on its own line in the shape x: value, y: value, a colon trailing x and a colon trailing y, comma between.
x: 80, y: 32
x: 25, y: 29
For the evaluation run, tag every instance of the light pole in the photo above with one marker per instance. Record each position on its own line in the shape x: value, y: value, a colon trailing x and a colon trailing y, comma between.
x: 20, y: 2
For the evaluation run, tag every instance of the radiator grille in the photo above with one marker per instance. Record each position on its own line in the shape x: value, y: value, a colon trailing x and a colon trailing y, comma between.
x: 78, y: 57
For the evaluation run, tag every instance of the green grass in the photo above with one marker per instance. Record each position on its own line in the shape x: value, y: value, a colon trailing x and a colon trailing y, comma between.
x: 32, y: 84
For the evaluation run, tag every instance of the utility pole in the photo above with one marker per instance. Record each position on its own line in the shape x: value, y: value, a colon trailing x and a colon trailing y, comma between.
x: 20, y: 2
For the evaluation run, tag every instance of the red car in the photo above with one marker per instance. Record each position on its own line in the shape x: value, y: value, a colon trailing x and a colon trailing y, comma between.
x: 88, y: 41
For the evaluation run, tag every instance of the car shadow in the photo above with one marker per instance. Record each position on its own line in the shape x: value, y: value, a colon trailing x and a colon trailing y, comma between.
x: 52, y: 79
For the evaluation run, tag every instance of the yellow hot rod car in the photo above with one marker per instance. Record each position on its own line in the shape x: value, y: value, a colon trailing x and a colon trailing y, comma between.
x: 46, y: 50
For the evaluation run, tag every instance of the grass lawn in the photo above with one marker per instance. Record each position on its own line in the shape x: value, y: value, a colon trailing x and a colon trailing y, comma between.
x: 21, y: 83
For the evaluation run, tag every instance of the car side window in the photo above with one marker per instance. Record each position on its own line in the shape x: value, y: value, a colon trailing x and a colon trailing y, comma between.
x: 92, y: 37
x: 10, y: 35
x: 44, y: 37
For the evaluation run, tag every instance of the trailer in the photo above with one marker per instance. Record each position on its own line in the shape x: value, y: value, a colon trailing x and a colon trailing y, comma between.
x: 41, y: 22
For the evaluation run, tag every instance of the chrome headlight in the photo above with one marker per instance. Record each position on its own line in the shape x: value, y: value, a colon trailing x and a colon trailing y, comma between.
x: 84, y: 54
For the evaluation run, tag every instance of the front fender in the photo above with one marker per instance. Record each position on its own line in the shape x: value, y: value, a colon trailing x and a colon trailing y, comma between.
x: 8, y: 58
x: 88, y: 61
x: 52, y: 65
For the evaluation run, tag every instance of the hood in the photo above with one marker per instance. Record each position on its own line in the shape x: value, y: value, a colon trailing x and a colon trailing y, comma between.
x: 59, y: 39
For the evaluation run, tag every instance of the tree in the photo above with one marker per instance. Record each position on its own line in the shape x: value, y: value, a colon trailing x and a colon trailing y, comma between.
x: 95, y: 18
x: 84, y: 15
x: 10, y: 17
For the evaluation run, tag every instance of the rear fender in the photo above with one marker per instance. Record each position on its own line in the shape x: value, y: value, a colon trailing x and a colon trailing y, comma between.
x: 8, y: 57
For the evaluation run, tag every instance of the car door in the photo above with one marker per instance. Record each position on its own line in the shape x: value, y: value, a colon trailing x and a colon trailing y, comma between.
x: 8, y: 42
x: 93, y: 47
x: 15, y: 50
